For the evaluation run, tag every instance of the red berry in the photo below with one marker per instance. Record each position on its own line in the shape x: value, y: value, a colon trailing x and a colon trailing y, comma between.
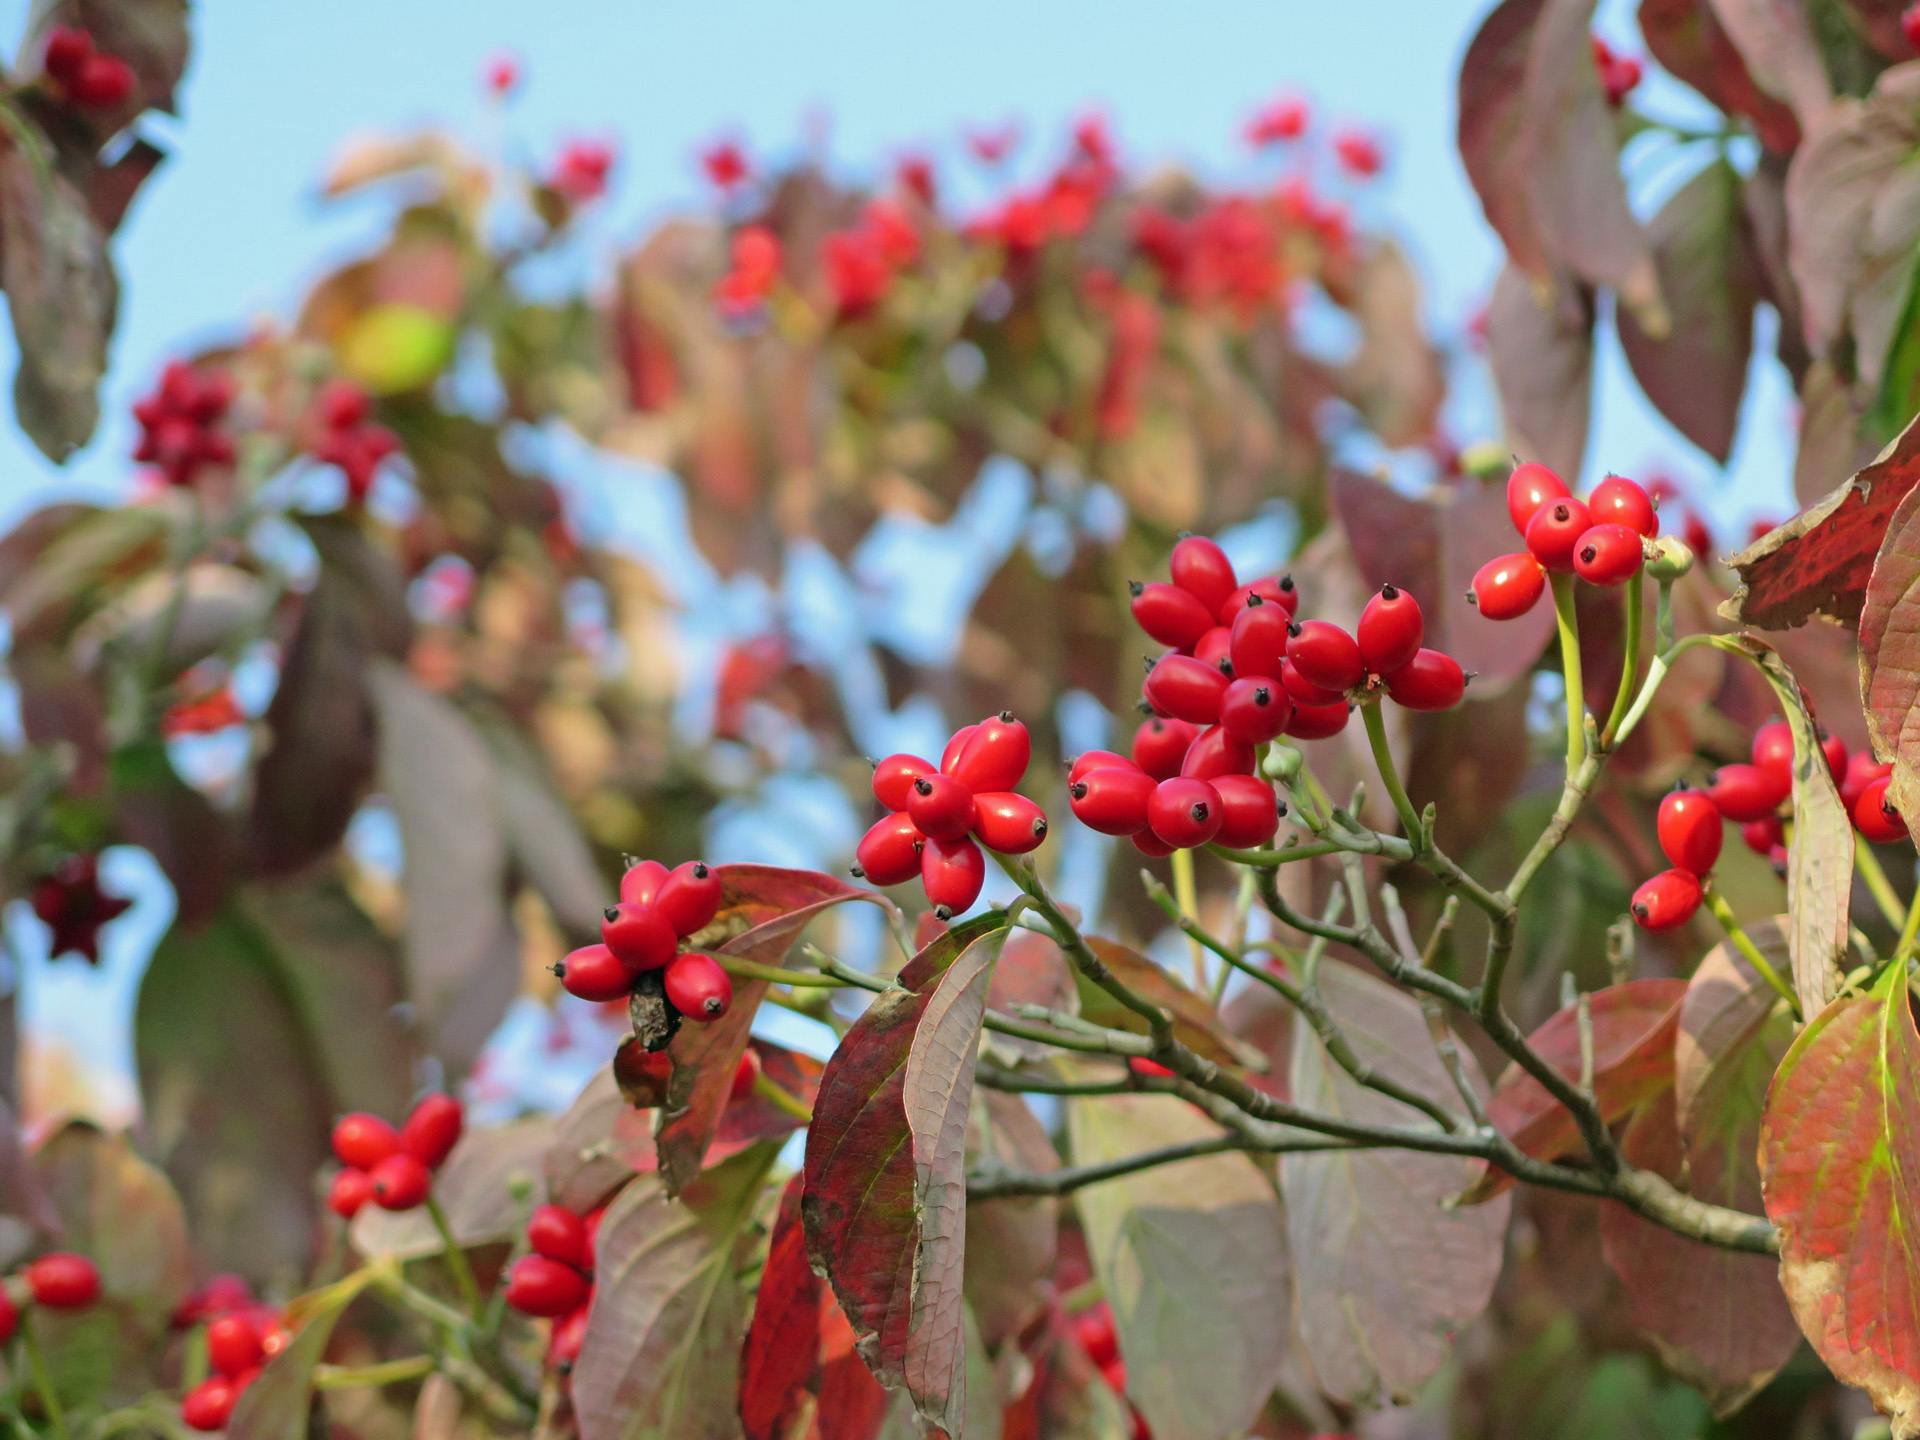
x: 746, y: 1076
x: 1390, y: 631
x: 1325, y: 655
x: 1255, y: 709
x: 594, y: 973
x: 1152, y: 1069
x: 1874, y: 814
x: 1555, y: 531
x: 1317, y: 722
x: 1304, y: 691
x: 1910, y: 24
x: 995, y: 756
x: 698, y: 988
x: 1746, y: 792
x: 1160, y: 745
x: 1150, y: 844
x: 1186, y: 688
x: 642, y: 882
x: 103, y: 82
x: 540, y: 1286
x: 557, y: 1233
x: 400, y: 1182
x: 9, y: 1318
x: 1114, y: 1372
x: 569, y: 1336
x: 433, y: 1129
x: 889, y: 853
x: 363, y: 1141
x: 1862, y: 770
x: 1094, y: 1328
x: 1528, y: 488
x: 1258, y: 644
x: 951, y: 755
x: 233, y: 1344
x: 1170, y: 615
x: 1112, y: 801
x: 1507, y: 587
x: 1216, y: 647
x: 893, y: 778
x: 1760, y: 836
x: 638, y: 935
x: 1773, y: 749
x: 63, y: 1281
x: 952, y: 872
x: 1271, y: 592
x: 1184, y: 812
x: 1216, y: 752
x: 1432, y: 680
x: 1607, y: 554
x: 1835, y: 751
x: 209, y: 1405
x: 1616, y: 500
x: 1689, y: 828
x: 1249, y: 812
x: 1101, y: 759
x: 1667, y: 900
x: 351, y: 1190
x: 68, y: 48
x: 1202, y: 569
x: 1008, y: 822
x: 689, y: 897
x: 941, y: 807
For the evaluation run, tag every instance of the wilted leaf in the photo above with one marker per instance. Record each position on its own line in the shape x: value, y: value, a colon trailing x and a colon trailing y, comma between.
x: 1010, y: 1242
x: 599, y: 1144
x: 1540, y: 344
x: 1831, y: 444
x: 476, y: 1190
x: 1842, y: 1183
x: 1193, y: 1258
x: 1195, y: 1022
x: 662, y: 1354
x: 885, y: 1199
x: 279, y: 1404
x: 1387, y: 1274
x: 1890, y: 654
x: 1633, y: 1029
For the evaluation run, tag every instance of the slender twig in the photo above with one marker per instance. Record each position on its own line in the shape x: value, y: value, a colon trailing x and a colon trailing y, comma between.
x: 1084, y: 960
x: 1629, y: 663
x: 1012, y: 1184
x: 1376, y: 726
x: 388, y: 1372
x: 1884, y: 895
x: 1568, y: 624
x: 462, y: 1272
x: 753, y: 970
x: 1750, y: 952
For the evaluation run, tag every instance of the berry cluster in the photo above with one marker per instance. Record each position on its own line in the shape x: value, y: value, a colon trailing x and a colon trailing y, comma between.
x: 1094, y: 1329
x: 60, y: 1281
x: 938, y: 812
x: 392, y: 1168
x: 84, y: 76
x: 71, y: 904
x: 756, y: 256
x: 242, y: 1335
x: 555, y: 1282
x: 1601, y: 539
x: 1619, y: 74
x: 345, y: 435
x: 658, y: 909
x: 180, y: 423
x: 580, y: 171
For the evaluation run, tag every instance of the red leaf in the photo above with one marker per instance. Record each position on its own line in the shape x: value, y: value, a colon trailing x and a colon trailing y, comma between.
x: 1490, y: 134
x: 1840, y: 1172
x: 1540, y: 344
x: 1687, y: 40
x: 1633, y: 1030
x: 1890, y: 653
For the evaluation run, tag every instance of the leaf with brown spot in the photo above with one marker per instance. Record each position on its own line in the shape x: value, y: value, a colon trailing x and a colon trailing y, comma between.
x: 1540, y: 344
x: 1196, y: 1024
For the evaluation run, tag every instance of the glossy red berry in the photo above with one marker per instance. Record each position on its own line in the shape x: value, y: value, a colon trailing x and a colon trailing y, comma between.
x: 697, y: 987
x: 350, y: 1191
x: 1217, y: 752
x: 1761, y: 836
x: 1773, y: 749
x: 950, y: 756
x: 642, y: 882
x: 363, y: 1141
x: 1216, y: 649
x: 233, y: 1344
x: 1112, y: 801
x: 209, y: 1405
x: 1528, y: 488
x: 541, y: 1286
x: 569, y: 1336
x: 893, y: 778
x: 746, y: 1076
x: 1508, y: 587
x: 1554, y: 533
x: 9, y: 1318
x: 941, y: 807
x: 1689, y: 828
x: 1249, y: 811
x: 1186, y: 689
x: 1666, y: 901
x: 1910, y: 24
x: 1150, y: 844
x: 1834, y: 749
x: 1170, y: 615
x: 1325, y: 655
x: 1390, y: 631
x: 432, y: 1129
x: 1607, y: 555
x: 995, y: 756
x: 1432, y: 680
x: 1617, y: 500
x: 952, y: 873
x: 103, y: 82
x: 400, y: 1182
x: 1746, y: 792
x: 1159, y: 745
x: 63, y: 1281
x: 1008, y: 822
x: 1094, y: 1328
x: 1304, y: 691
x: 594, y: 973
x: 1184, y: 812
x: 1874, y: 815
x: 889, y: 853
x: 1258, y: 642
x: 638, y: 935
x: 1202, y: 569
x: 1100, y: 759
x: 689, y: 897
x: 557, y: 1233
x: 1317, y: 722
x: 68, y: 48
x: 1279, y: 592
x: 1862, y: 770
x: 1255, y: 709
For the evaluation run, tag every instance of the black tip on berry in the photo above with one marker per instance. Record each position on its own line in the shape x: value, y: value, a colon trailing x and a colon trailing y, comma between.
x: 1281, y: 808
x: 1587, y: 553
x: 1225, y: 665
x: 920, y: 846
x: 1680, y: 785
x: 1387, y: 592
x: 856, y: 872
x: 699, y: 870
x: 1039, y: 827
x: 1147, y: 660
x: 1253, y: 599
x: 612, y: 913
x: 1006, y: 717
x: 1466, y: 676
x: 1293, y: 629
x: 1562, y: 513
x: 1262, y: 696
x: 1199, y: 812
x: 923, y: 786
x: 1286, y: 582
x: 1473, y: 599
x: 1078, y: 790
x: 713, y: 1006
x: 943, y: 912
x: 559, y: 968
x: 1639, y: 911
x: 1143, y: 705
x: 1183, y: 534
x: 1135, y: 588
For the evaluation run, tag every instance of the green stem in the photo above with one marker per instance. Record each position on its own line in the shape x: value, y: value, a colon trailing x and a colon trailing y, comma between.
x: 1569, y: 626
x: 799, y: 979
x: 463, y: 1280
x: 389, y: 1372
x: 1188, y: 894
x: 780, y: 1099
x: 1383, y: 759
x: 1909, y: 932
x: 1742, y: 942
x: 1884, y: 895
x: 43, y: 1380
x: 1629, y: 663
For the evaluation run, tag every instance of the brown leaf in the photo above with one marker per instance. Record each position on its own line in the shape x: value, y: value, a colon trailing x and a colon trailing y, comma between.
x: 1890, y: 655
x: 58, y: 563
x: 1032, y: 971
x: 1195, y: 1022
x: 1690, y: 44
x: 121, y: 1212
x: 1540, y: 344
x: 599, y: 1144
x: 1832, y: 442
x: 1010, y: 1242
x: 1775, y: 39
x: 1491, y: 132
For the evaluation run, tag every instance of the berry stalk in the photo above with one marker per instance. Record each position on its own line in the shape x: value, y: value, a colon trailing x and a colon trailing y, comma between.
x: 43, y: 1379
x: 1187, y: 894
x: 1629, y: 663
x: 1723, y: 912
x: 1909, y: 932
x: 463, y: 1280
x: 1569, y: 626
x: 1383, y: 759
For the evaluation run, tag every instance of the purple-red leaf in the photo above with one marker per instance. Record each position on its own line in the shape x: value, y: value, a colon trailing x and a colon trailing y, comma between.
x: 1010, y: 1242
x: 1540, y: 344
x: 1689, y: 43
x: 1890, y: 653
x: 1196, y: 1024
x: 1775, y: 38
x: 1491, y: 135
